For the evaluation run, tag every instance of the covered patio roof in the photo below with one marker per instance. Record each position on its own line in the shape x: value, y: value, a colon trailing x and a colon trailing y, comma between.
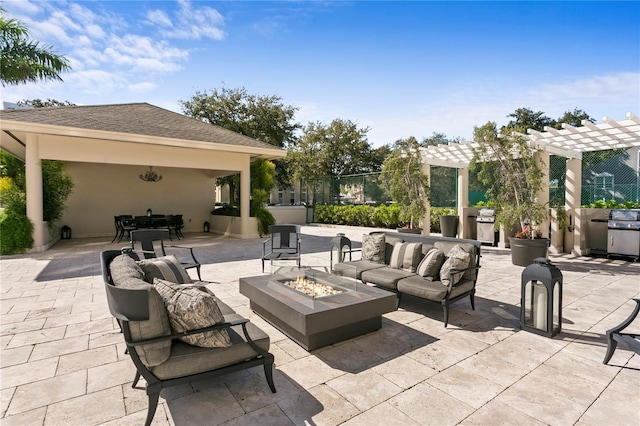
x: 569, y: 142
x: 103, y: 141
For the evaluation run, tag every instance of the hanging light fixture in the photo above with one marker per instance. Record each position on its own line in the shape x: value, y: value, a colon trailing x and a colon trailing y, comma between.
x: 151, y: 176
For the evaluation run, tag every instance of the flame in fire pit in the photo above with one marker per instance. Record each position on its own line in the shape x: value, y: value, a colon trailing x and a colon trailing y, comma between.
x: 311, y: 287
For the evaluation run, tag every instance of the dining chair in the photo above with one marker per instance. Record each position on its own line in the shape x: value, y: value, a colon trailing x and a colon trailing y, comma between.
x: 150, y: 242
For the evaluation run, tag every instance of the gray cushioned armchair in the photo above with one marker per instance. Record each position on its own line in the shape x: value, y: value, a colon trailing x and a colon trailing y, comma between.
x: 155, y: 350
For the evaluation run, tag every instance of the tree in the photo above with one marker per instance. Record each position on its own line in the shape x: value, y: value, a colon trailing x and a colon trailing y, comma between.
x: 265, y: 118
x: 39, y: 103
x: 525, y: 118
x: 334, y: 150
x: 24, y: 60
x: 507, y: 166
x: 406, y: 183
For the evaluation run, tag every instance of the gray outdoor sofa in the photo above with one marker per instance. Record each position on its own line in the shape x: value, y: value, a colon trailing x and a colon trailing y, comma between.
x: 422, y: 270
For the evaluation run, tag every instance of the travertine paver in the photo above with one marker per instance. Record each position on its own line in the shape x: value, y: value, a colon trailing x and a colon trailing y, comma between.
x: 63, y: 361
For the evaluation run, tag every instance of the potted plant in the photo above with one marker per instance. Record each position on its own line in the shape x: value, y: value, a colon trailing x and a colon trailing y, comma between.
x: 407, y: 185
x: 507, y: 166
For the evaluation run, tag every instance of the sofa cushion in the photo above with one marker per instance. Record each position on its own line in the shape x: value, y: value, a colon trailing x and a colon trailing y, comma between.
x: 186, y: 359
x: 470, y: 248
x: 430, y: 265
x: 373, y: 247
x: 406, y: 256
x: 390, y: 242
x: 355, y: 268
x: 457, y: 258
x: 431, y: 290
x: 123, y: 267
x: 166, y: 268
x: 191, y: 307
x: 385, y: 277
x: 158, y: 323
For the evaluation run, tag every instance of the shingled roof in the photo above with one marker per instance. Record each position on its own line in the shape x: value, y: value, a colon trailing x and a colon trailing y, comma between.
x: 136, y: 118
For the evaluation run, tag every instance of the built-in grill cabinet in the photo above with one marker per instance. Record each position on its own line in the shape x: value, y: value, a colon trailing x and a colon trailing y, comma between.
x: 485, y: 226
x: 623, y: 235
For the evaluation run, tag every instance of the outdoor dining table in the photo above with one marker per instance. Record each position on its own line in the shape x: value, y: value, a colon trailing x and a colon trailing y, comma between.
x: 153, y: 221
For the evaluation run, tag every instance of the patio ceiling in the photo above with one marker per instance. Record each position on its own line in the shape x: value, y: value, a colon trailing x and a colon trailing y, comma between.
x: 569, y: 142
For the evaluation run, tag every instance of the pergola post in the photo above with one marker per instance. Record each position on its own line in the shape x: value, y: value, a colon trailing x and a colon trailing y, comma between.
x: 463, y: 199
x: 426, y: 219
x: 575, y: 241
x: 33, y: 181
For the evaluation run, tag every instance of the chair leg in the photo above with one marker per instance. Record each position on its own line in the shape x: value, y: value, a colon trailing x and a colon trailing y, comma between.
x: 198, y: 271
x: 263, y: 266
x: 445, y: 308
x: 135, y: 380
x: 472, y: 296
x: 611, y: 348
x: 268, y: 372
x: 153, y: 404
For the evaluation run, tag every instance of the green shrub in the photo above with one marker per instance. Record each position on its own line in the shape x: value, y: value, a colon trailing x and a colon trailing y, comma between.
x: 264, y: 219
x: 15, y: 232
x: 613, y: 204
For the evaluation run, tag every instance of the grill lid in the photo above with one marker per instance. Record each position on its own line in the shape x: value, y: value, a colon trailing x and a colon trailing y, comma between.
x: 624, y: 215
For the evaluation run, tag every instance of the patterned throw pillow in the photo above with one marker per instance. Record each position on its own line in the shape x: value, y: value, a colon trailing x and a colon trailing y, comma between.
x: 166, y: 268
x: 373, y: 248
x: 457, y: 258
x: 191, y: 307
x: 431, y: 264
x: 406, y: 256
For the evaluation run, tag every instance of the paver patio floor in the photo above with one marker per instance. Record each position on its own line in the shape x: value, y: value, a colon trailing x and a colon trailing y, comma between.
x: 63, y: 360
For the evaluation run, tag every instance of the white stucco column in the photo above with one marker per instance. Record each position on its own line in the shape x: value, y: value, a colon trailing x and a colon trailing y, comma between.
x: 426, y: 219
x: 573, y: 198
x: 463, y: 199
x: 245, y: 199
x: 542, y: 158
x: 33, y: 180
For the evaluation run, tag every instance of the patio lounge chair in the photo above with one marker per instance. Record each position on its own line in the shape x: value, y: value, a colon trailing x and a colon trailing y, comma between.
x: 284, y: 244
x: 158, y: 352
x: 146, y: 239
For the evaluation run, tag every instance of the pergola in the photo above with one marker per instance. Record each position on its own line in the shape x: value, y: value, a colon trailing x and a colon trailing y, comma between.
x: 569, y: 142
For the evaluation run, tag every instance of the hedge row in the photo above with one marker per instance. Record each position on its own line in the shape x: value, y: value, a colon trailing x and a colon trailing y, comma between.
x: 383, y: 216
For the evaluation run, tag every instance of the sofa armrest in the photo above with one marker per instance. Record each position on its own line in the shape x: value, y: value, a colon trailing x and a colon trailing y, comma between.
x: 459, y: 271
x: 175, y: 336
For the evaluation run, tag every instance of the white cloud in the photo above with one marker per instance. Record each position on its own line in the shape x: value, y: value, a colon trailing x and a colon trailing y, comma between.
x: 160, y: 18
x: 190, y: 22
x: 25, y: 6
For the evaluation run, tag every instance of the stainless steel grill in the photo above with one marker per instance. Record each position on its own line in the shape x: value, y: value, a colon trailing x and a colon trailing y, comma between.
x: 485, y: 226
x: 623, y: 236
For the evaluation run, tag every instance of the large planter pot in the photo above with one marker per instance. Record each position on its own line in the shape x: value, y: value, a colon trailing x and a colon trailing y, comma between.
x: 524, y: 250
x: 449, y: 226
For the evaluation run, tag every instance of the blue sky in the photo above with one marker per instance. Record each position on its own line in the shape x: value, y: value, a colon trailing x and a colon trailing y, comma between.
x: 400, y: 68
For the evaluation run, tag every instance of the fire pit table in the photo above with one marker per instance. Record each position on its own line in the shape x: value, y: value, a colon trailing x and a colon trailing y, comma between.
x: 316, y: 308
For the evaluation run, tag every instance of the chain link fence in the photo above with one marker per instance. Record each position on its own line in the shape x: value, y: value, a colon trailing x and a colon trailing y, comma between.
x: 606, y: 175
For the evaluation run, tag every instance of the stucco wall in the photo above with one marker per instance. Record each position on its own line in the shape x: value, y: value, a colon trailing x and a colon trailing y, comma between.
x: 104, y: 190
x: 289, y: 214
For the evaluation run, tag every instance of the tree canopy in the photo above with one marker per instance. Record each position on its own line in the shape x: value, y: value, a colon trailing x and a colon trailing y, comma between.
x: 335, y: 149
x: 25, y: 60
x: 265, y: 118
